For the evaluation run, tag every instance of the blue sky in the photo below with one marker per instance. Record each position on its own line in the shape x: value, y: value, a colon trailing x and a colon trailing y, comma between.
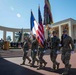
x: 16, y: 13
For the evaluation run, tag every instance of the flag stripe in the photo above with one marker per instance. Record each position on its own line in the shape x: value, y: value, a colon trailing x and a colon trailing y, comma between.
x: 40, y: 29
x: 34, y: 25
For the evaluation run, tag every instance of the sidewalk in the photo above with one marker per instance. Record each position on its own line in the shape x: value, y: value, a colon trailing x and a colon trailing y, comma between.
x: 11, y: 66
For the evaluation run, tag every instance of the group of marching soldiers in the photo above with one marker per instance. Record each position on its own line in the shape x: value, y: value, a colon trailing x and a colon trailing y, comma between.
x: 65, y: 46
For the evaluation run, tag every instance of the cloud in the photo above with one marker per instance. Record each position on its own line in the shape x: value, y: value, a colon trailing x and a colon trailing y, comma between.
x: 18, y: 15
x: 12, y: 8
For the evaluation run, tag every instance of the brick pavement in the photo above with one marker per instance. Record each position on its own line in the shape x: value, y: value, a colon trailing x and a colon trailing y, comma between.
x: 11, y: 66
x: 47, y: 69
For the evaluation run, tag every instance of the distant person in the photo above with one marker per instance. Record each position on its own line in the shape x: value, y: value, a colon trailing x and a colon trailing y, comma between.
x: 41, y: 53
x: 25, y: 50
x: 67, y: 47
x: 34, y: 50
x: 54, y: 45
x: 1, y: 43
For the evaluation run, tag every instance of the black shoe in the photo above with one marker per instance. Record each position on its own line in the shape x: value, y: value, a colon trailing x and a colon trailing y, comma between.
x: 45, y: 64
x: 54, y: 67
x: 22, y: 64
x: 31, y: 65
x: 29, y: 61
x: 58, y: 66
x: 69, y: 66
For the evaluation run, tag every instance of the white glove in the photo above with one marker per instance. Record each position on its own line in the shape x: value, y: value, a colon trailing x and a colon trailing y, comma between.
x: 72, y: 52
x: 26, y: 51
x: 60, y: 45
x: 58, y: 52
x: 35, y: 50
x: 44, y: 51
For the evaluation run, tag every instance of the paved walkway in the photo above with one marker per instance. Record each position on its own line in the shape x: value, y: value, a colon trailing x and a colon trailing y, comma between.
x: 11, y: 66
x: 11, y: 53
x: 15, y: 53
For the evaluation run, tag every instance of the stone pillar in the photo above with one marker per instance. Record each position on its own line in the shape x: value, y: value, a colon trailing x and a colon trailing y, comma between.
x: 70, y: 29
x: 60, y: 31
x: 4, y: 35
x: 14, y: 36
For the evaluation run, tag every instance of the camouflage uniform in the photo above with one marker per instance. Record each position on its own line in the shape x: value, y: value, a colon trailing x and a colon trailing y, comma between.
x: 25, y: 49
x: 1, y: 43
x: 66, y: 41
x: 34, y: 49
x: 54, y: 42
x: 41, y: 53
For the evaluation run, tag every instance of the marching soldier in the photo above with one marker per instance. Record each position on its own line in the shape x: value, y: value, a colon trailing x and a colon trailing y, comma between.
x: 41, y: 53
x: 26, y: 49
x: 54, y: 42
x: 66, y: 41
x: 34, y: 50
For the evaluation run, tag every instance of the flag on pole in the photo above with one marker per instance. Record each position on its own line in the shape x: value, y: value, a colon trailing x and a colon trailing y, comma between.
x: 40, y: 29
x: 47, y: 13
x: 34, y: 25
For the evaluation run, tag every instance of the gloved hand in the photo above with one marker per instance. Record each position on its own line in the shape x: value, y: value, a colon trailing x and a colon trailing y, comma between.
x: 35, y: 50
x: 72, y: 51
x: 26, y: 50
x: 44, y: 51
x: 60, y: 45
x: 58, y: 52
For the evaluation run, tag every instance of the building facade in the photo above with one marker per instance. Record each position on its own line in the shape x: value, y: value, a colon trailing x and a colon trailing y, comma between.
x: 69, y: 24
x: 13, y: 30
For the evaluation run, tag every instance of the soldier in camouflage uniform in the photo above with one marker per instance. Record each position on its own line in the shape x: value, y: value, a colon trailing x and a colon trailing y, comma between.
x: 41, y: 53
x: 26, y: 49
x: 34, y: 50
x: 66, y: 41
x: 54, y: 42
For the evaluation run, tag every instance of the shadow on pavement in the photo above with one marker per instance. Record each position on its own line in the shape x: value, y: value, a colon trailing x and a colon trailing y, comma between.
x: 9, y: 68
x: 71, y: 72
x: 60, y: 71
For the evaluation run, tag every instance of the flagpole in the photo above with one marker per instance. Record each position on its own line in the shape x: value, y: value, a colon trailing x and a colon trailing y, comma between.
x: 47, y: 17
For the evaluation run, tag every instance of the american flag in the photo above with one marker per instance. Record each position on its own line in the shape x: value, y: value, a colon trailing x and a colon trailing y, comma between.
x: 40, y: 29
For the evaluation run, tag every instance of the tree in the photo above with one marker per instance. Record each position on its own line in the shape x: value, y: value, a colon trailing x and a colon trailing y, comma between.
x: 26, y: 34
x: 8, y: 38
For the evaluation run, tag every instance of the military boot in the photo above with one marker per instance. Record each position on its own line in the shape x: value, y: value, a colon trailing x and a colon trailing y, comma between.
x: 45, y: 64
x: 58, y: 65
x: 23, y: 63
x: 39, y: 67
x: 69, y: 66
x: 32, y: 65
x: 29, y: 62
x: 54, y: 66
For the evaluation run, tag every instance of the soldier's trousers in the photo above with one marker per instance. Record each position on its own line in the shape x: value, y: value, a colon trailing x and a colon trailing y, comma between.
x: 25, y: 56
x: 41, y: 60
x: 53, y: 56
x: 65, y: 57
x: 33, y: 55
